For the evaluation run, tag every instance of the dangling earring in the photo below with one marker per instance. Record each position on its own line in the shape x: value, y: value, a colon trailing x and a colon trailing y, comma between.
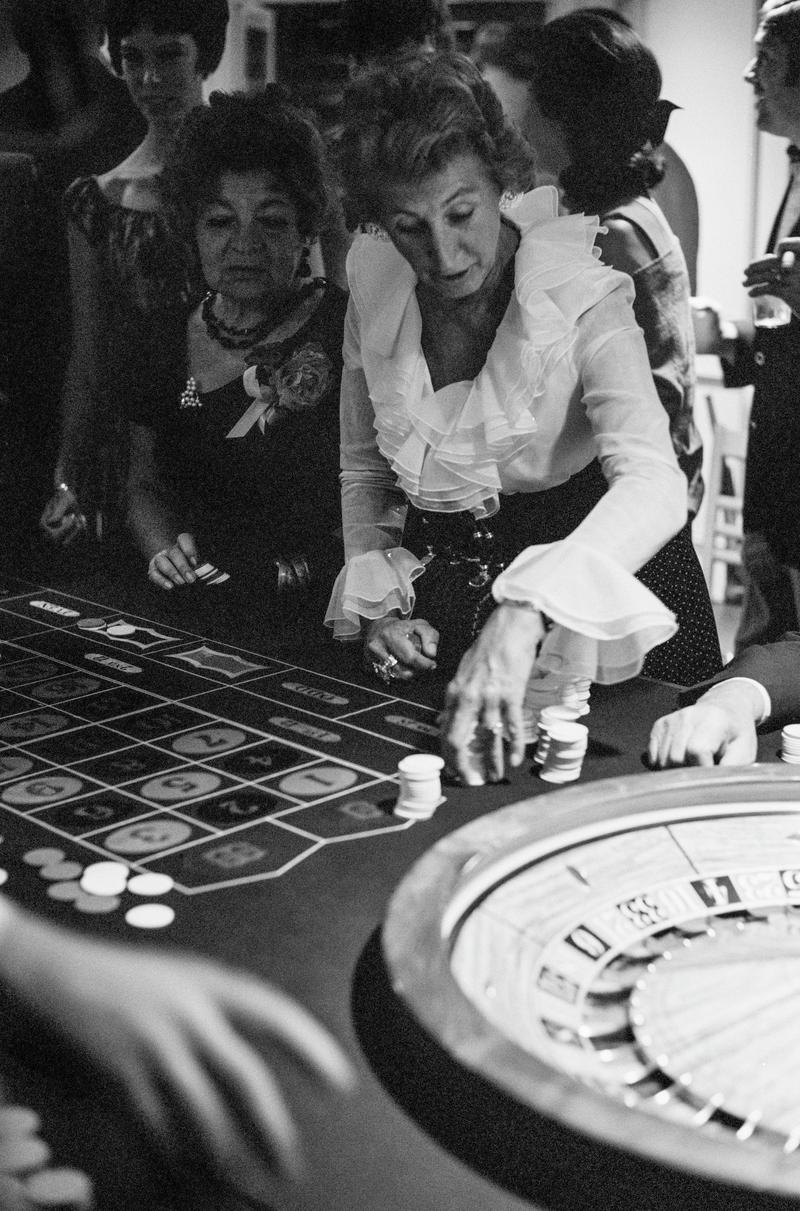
x: 304, y: 264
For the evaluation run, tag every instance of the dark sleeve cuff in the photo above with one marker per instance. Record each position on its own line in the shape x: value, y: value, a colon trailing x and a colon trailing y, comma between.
x: 776, y: 666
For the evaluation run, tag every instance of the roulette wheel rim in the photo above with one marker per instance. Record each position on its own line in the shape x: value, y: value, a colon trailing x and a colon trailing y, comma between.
x: 430, y: 905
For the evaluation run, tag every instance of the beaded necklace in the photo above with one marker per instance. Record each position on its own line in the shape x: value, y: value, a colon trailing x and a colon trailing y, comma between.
x: 231, y: 337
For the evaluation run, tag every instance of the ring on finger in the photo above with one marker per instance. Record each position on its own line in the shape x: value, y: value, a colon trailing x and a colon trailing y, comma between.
x: 384, y: 668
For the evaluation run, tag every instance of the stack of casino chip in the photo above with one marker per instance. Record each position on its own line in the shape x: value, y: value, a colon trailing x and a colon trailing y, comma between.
x: 420, y: 786
x: 553, y: 689
x: 790, y: 744
x: 547, y: 717
x: 566, y: 748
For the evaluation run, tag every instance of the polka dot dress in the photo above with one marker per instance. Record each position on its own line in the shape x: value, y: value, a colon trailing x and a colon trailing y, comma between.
x: 452, y: 598
x: 675, y: 576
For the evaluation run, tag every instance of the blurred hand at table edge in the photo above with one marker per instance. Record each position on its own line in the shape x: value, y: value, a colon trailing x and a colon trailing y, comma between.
x: 181, y: 1035
x: 62, y: 520
x: 718, y: 729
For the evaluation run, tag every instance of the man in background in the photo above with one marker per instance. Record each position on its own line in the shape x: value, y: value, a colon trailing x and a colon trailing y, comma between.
x: 769, y: 358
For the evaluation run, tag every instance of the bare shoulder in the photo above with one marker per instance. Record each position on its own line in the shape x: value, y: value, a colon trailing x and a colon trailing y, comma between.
x: 133, y: 183
x: 623, y: 247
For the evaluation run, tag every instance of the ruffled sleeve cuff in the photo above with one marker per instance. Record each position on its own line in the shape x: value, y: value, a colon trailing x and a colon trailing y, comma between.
x: 605, y: 620
x: 371, y: 586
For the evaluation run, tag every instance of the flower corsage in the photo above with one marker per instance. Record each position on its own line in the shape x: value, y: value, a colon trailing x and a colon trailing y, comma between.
x: 281, y: 386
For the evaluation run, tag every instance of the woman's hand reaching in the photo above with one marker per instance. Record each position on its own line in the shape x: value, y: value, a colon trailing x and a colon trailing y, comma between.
x: 483, y: 705
x: 399, y: 649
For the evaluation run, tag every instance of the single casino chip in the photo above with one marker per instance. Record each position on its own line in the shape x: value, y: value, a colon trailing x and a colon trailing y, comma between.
x: 90, y: 624
x: 94, y: 905
x: 121, y: 628
x: 105, y: 878
x: 66, y: 1189
x: 43, y: 857
x: 150, y: 916
x: 69, y: 890
x: 23, y: 1153
x: 17, y: 1121
x: 58, y: 871
x: 150, y: 884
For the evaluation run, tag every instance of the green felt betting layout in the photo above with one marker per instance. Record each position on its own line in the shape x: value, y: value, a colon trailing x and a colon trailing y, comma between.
x: 182, y: 756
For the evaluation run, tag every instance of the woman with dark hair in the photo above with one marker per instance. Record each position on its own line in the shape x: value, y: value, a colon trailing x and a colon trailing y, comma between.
x: 596, y: 122
x: 234, y: 412
x: 502, y: 441
x: 371, y: 29
x: 124, y: 264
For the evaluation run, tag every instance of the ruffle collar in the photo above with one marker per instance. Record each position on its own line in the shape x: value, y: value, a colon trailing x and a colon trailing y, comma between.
x: 446, y: 447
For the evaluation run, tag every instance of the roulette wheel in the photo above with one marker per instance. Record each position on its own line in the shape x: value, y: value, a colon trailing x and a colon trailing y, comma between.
x: 621, y: 962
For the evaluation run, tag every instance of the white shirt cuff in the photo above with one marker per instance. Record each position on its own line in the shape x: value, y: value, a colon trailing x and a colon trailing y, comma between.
x: 765, y: 698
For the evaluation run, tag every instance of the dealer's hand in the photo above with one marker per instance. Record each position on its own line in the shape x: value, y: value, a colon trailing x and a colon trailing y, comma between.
x: 778, y: 274
x: 174, y: 566
x: 719, y: 729
x: 483, y: 705
x: 184, y: 1037
x: 399, y: 649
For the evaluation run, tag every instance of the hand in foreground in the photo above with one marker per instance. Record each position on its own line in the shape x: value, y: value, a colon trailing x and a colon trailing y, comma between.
x: 399, y: 649
x: 720, y: 728
x: 62, y: 520
x: 174, y: 566
x: 483, y: 705
x: 778, y: 274
x: 176, y: 1032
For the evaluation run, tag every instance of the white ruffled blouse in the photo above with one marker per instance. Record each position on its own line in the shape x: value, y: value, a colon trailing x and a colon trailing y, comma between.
x: 566, y: 380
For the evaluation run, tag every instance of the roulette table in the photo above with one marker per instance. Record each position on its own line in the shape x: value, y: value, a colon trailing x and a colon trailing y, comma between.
x: 498, y: 1067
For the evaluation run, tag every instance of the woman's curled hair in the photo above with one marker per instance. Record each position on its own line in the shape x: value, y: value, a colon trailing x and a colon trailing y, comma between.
x: 241, y: 132
x: 409, y: 115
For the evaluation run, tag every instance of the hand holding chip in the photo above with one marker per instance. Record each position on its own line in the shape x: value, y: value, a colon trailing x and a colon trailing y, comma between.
x: 176, y: 1032
x: 777, y: 274
x: 175, y: 565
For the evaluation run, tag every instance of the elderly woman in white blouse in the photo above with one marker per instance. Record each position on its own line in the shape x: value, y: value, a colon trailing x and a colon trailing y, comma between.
x: 506, y: 463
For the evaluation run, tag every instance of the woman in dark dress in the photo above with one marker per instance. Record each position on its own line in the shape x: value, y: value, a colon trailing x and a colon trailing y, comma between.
x: 126, y: 269
x: 234, y: 409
